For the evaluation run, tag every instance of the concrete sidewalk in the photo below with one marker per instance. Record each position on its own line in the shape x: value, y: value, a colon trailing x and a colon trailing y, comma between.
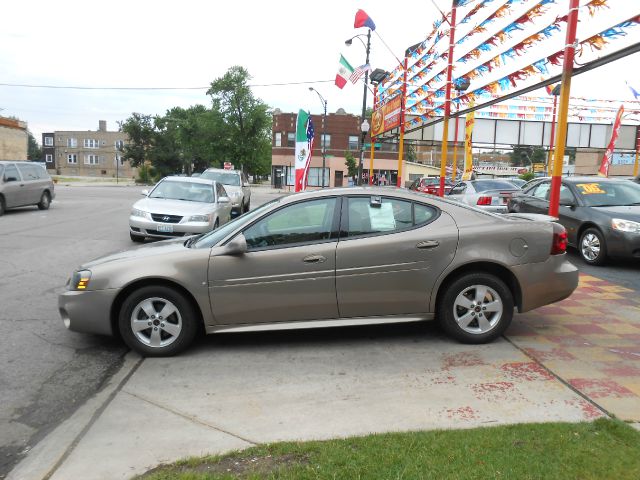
x: 235, y: 391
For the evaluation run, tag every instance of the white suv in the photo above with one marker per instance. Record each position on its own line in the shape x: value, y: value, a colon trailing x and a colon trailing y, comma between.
x: 236, y: 184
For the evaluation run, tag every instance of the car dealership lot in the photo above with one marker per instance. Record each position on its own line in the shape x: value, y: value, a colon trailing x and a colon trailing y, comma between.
x: 236, y: 389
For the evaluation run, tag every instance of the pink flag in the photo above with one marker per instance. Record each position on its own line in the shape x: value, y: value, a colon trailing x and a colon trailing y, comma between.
x: 608, y: 154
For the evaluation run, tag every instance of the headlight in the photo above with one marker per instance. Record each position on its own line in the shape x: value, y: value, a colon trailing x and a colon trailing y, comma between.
x: 139, y: 213
x: 79, y: 280
x: 200, y: 218
x: 625, y: 225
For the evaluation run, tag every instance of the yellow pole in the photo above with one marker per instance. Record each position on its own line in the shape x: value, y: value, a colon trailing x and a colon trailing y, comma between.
x: 371, y: 162
x: 635, y: 166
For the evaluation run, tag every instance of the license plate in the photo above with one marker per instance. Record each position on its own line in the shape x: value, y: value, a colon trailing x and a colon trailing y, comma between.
x: 165, y: 228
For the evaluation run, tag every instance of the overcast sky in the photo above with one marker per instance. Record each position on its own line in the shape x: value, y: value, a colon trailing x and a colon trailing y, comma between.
x: 142, y: 43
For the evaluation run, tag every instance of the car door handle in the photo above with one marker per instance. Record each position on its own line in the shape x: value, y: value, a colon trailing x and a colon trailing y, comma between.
x: 314, y: 259
x: 427, y: 244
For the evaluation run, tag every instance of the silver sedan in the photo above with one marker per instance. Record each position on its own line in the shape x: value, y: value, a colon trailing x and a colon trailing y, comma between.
x: 487, y: 193
x: 179, y: 206
x: 327, y: 258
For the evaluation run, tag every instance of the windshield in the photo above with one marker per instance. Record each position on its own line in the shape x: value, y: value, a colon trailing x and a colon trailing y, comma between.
x: 609, y: 194
x: 188, y: 191
x: 484, y: 185
x: 225, y: 178
x: 212, y: 238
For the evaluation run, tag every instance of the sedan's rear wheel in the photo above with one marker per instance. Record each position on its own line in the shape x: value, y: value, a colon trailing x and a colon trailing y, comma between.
x: 45, y: 201
x: 476, y: 308
x: 593, y: 248
x: 157, y: 321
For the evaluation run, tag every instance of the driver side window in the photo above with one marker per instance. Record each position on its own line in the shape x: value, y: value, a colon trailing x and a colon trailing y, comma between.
x: 299, y: 223
x: 542, y: 191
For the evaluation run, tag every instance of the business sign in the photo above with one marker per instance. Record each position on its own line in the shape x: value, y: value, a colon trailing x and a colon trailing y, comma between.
x: 386, y: 117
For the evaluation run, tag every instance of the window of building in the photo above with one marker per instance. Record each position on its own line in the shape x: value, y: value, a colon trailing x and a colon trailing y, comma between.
x: 72, y: 158
x: 48, y: 158
x: 48, y: 141
x: 91, y: 143
x: 353, y: 142
x: 119, y: 144
x: 277, y: 139
x: 325, y: 141
x: 72, y: 142
x: 291, y: 139
x: 91, y: 159
x: 314, y: 179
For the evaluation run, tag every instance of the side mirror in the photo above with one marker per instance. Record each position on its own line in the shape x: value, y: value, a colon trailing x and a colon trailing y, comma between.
x: 223, y: 200
x: 237, y: 246
x: 144, y: 193
x: 568, y: 203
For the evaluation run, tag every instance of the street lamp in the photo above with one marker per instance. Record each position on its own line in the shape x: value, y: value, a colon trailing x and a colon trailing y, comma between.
x: 324, y: 137
x: 364, y: 98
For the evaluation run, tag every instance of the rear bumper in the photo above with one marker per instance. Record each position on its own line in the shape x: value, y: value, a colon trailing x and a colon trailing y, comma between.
x: 87, y: 311
x: 546, y: 282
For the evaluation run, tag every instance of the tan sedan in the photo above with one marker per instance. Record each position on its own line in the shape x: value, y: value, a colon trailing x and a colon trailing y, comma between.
x: 327, y: 258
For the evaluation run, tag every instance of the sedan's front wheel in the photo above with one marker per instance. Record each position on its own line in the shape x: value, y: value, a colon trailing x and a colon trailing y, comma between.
x: 593, y: 248
x: 45, y: 201
x: 476, y: 308
x: 157, y: 321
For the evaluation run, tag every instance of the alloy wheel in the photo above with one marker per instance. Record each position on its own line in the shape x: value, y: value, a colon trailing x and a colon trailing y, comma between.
x: 590, y: 246
x: 477, y: 309
x: 156, y: 322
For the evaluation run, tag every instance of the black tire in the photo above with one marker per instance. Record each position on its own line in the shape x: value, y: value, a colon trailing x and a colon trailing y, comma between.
x: 3, y: 207
x: 481, y: 328
x: 45, y: 201
x: 593, y: 247
x: 177, y: 331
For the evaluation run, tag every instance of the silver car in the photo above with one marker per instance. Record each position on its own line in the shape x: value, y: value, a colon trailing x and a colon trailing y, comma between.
x: 24, y: 183
x: 179, y: 206
x: 347, y: 256
x: 236, y: 184
x: 488, y: 194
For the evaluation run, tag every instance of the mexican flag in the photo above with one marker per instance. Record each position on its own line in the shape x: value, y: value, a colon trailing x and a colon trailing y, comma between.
x: 344, y: 72
x: 304, y: 147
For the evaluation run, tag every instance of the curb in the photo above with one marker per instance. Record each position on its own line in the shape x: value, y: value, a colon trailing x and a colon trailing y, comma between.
x: 47, y: 456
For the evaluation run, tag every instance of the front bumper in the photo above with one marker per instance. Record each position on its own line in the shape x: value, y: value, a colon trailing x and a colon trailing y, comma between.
x: 87, y: 311
x: 148, y: 228
x: 623, y: 244
x: 546, y: 282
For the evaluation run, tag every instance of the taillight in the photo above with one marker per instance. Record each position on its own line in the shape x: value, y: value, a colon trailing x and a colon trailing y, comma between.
x: 484, y: 201
x: 559, y: 243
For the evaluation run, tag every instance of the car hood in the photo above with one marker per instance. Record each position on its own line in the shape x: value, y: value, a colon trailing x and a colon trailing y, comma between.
x: 625, y: 212
x: 231, y: 189
x: 174, y: 207
x: 149, y: 250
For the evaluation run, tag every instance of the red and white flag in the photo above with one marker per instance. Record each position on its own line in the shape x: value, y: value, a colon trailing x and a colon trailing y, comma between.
x: 608, y: 154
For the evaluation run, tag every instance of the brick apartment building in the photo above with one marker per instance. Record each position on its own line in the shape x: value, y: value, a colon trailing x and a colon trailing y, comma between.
x: 13, y: 139
x: 342, y: 133
x: 87, y: 153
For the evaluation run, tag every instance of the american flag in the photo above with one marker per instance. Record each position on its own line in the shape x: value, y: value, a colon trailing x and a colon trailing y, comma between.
x: 358, y: 72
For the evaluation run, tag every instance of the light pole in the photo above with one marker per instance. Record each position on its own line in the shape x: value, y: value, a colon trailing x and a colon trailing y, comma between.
x: 364, y: 128
x: 324, y: 137
x: 555, y: 92
x: 364, y: 99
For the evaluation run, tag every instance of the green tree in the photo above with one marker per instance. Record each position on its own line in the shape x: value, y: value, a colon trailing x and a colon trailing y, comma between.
x: 247, y: 132
x: 527, y: 155
x: 34, y: 152
x: 352, y: 165
x: 140, y: 132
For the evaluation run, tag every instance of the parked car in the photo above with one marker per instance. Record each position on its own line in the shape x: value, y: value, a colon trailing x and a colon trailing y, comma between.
x: 430, y: 185
x: 518, y: 182
x: 488, y: 194
x: 601, y: 215
x: 236, y: 184
x: 179, y: 206
x: 636, y: 179
x: 24, y: 183
x: 347, y: 256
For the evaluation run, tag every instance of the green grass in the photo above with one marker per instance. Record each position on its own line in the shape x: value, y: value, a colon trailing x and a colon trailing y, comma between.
x: 604, y: 449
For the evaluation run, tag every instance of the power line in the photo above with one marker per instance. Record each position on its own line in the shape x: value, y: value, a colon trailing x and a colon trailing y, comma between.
x: 76, y: 87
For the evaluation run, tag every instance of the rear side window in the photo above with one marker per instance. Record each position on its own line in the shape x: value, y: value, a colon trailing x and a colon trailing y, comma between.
x: 28, y: 172
x: 370, y: 216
